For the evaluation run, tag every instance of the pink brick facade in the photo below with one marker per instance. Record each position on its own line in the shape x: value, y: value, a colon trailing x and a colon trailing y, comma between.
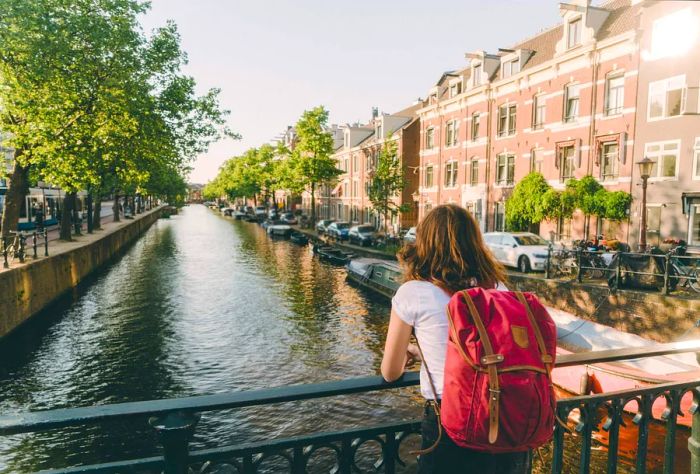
x: 584, y: 93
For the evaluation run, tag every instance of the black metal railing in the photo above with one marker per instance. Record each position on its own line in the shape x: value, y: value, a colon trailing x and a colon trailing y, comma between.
x: 15, y: 248
x: 665, y: 272
x: 175, y: 421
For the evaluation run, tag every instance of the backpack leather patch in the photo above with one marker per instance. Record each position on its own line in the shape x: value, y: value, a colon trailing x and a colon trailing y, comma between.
x: 520, y: 336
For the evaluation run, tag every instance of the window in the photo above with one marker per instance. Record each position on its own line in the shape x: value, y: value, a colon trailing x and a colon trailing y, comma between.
x: 571, y: 100
x: 476, y: 74
x: 346, y: 168
x: 451, y: 133
x: 665, y: 154
x: 455, y: 89
x: 499, y: 216
x: 563, y: 228
x: 451, y: 174
x: 367, y: 185
x: 614, y: 95
x: 354, y: 163
x: 474, y: 172
x: 535, y: 161
x: 354, y: 189
x: 345, y: 189
x: 510, y: 68
x: 505, y: 169
x: 609, y: 154
x: 538, y: 108
x: 566, y: 162
x: 574, y: 33
x: 665, y: 98
x: 428, y: 206
x: 429, y: 176
x: 653, y: 225
x: 429, y: 138
x: 696, y: 159
x: 475, y: 125
x: 506, y: 120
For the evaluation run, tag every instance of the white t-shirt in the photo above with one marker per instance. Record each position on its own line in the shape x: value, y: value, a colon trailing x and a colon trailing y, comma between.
x: 422, y: 305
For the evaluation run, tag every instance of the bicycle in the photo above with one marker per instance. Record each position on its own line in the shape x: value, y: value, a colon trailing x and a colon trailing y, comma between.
x: 684, y: 274
x: 16, y: 249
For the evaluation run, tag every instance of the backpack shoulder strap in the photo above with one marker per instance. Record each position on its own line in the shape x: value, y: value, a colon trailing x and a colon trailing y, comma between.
x: 547, y: 358
x: 489, y: 360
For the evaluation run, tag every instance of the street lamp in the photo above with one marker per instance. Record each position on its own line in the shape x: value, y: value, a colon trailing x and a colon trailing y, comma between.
x: 645, y: 167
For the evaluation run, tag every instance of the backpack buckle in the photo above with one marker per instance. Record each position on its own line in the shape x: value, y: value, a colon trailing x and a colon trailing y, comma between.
x: 492, y: 359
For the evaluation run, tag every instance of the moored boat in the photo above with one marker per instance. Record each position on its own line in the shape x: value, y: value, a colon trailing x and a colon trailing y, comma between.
x: 332, y: 254
x: 298, y: 238
x: 380, y: 276
x: 238, y: 215
x: 279, y: 230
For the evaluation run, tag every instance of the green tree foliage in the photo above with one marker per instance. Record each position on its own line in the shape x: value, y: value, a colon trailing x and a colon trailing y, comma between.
x: 527, y: 204
x: 311, y: 162
x: 91, y: 102
x: 616, y: 204
x: 387, y: 183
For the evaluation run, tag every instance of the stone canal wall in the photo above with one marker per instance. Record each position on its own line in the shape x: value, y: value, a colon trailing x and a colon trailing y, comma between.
x: 650, y: 315
x: 28, y: 289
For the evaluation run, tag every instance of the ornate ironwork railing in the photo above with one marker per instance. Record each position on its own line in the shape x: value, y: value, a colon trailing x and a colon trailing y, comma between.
x: 175, y: 421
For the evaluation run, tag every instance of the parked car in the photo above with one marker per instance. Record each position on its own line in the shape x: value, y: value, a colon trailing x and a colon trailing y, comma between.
x: 338, y: 230
x: 260, y: 211
x: 289, y: 218
x: 361, y: 235
x: 322, y: 225
x: 410, y: 237
x: 524, y: 250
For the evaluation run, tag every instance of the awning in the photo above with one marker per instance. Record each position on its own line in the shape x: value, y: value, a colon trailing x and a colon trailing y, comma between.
x: 688, y: 199
x: 336, y: 189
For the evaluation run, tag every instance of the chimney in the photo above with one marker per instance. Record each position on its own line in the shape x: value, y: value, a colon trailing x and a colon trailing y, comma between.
x: 375, y: 112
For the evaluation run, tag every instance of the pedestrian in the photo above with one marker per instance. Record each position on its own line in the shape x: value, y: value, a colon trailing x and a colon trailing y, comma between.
x: 449, y: 255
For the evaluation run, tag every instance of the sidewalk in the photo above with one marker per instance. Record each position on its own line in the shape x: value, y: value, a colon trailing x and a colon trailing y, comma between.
x: 57, y: 246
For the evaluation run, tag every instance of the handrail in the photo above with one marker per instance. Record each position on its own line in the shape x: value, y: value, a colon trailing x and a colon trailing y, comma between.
x: 49, y: 419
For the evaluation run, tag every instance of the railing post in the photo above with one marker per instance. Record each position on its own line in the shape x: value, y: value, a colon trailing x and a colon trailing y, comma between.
x: 618, y: 270
x: 667, y: 265
x: 175, y: 431
x: 549, y: 259
x: 5, y: 263
x: 694, y: 439
x: 46, y: 243
x: 35, y: 256
x: 22, y: 244
x: 579, y: 273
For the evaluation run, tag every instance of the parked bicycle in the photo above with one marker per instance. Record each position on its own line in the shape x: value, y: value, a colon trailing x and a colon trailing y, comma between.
x: 685, y: 269
x: 14, y: 248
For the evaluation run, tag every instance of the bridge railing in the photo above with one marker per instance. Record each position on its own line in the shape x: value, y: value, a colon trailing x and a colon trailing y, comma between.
x: 175, y: 421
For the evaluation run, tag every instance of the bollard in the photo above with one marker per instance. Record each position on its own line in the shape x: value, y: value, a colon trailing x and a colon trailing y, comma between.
x: 667, y: 265
x: 5, y: 263
x: 579, y: 273
x: 35, y: 256
x: 46, y: 243
x: 618, y: 270
x: 694, y: 439
x: 175, y: 431
x: 549, y: 259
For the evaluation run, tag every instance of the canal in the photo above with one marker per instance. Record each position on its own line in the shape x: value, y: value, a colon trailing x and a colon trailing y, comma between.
x: 201, y: 304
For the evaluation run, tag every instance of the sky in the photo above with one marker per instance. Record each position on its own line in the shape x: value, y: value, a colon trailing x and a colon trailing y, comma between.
x: 273, y: 59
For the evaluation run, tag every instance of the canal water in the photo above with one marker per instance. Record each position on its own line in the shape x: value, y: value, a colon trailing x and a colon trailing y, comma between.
x: 201, y: 304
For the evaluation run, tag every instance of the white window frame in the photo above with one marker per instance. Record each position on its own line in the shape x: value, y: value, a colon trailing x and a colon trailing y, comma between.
x: 577, y: 38
x: 692, y: 215
x: 656, y: 155
x: 477, y: 116
x: 476, y: 75
x: 568, y: 95
x: 474, y: 163
x: 430, y: 134
x: 451, y: 128
x: 508, y: 179
x: 509, y: 129
x: 432, y: 176
x: 539, y: 102
x: 618, y: 108
x: 615, y: 160
x: 663, y: 87
x: 451, y: 171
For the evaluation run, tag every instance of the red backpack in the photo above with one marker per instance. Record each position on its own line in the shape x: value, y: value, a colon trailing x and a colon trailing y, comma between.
x: 498, y: 394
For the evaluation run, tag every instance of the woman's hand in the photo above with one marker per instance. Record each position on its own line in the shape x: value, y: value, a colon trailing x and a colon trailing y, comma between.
x: 396, y: 350
x: 412, y: 355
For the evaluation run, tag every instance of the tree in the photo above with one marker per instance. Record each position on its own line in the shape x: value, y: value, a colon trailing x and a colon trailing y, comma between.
x: 311, y: 159
x: 526, y: 205
x: 616, y: 204
x: 387, y: 183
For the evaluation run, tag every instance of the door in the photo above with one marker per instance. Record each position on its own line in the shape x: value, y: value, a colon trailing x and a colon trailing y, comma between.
x: 510, y: 250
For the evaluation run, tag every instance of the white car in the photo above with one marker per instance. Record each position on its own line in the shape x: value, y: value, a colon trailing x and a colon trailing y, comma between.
x: 524, y: 250
x: 410, y: 237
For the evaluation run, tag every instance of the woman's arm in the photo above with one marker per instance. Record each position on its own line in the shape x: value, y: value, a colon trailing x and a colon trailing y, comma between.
x: 397, y: 348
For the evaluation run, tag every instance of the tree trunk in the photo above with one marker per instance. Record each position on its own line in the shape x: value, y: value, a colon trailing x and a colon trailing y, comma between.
x: 77, y: 224
x: 89, y: 213
x: 66, y: 213
x: 115, y: 207
x: 18, y: 186
x: 313, y: 205
x: 97, y: 213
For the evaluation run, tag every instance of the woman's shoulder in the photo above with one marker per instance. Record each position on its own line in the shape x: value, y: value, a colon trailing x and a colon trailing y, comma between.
x: 416, y: 288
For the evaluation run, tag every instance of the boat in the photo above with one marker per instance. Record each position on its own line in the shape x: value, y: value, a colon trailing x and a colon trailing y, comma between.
x: 575, y: 334
x: 279, y: 230
x: 332, y: 254
x: 238, y: 215
x: 379, y: 276
x: 298, y: 238
x: 227, y: 211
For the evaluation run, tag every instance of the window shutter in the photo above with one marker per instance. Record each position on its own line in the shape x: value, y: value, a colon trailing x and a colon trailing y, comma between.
x: 578, y: 153
x: 622, y: 150
x: 557, y: 157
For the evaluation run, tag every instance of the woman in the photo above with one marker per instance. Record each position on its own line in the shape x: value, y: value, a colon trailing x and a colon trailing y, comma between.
x: 448, y: 255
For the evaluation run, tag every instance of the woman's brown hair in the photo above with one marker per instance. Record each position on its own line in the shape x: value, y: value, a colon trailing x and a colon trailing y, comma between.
x: 450, y: 252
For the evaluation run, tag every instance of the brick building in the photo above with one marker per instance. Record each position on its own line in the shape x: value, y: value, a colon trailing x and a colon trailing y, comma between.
x: 561, y: 103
